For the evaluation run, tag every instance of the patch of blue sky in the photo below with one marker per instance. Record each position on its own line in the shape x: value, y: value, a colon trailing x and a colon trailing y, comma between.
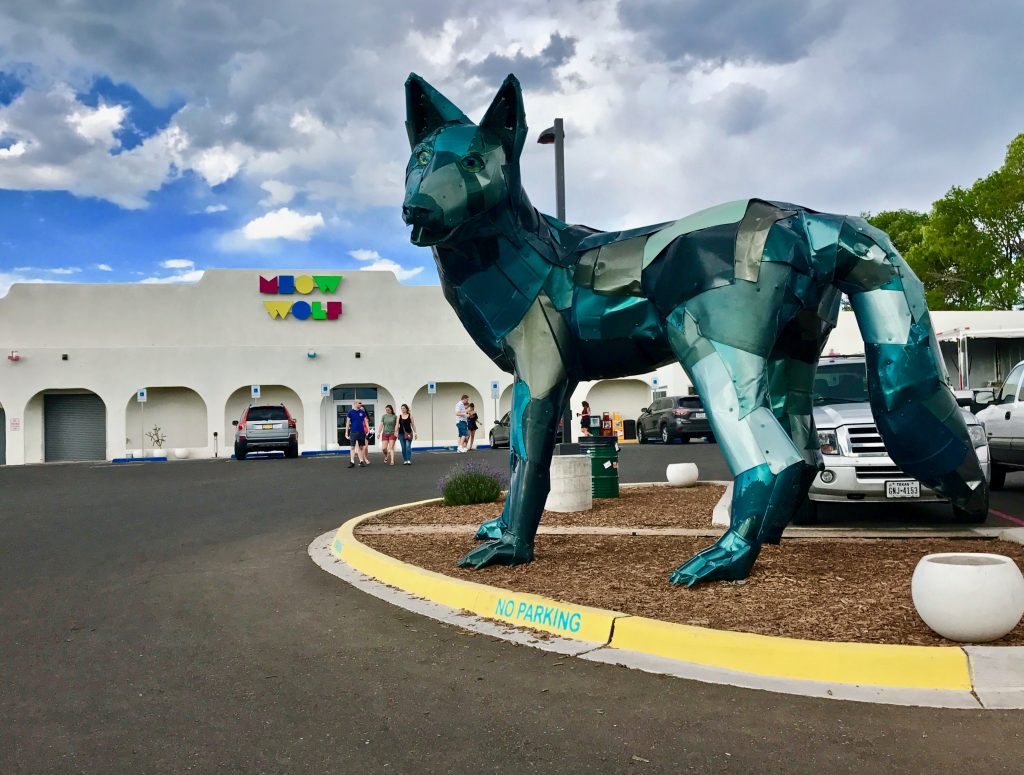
x: 10, y: 87
x: 144, y: 118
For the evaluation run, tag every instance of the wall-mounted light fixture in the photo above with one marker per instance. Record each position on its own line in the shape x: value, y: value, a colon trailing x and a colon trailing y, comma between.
x: 311, y: 354
x: 63, y: 356
x: 14, y: 357
x: 359, y: 355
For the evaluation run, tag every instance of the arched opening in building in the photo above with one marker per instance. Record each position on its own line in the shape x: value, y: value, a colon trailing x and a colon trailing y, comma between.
x: 373, y: 398
x: 626, y: 397
x: 436, y: 420
x: 270, y: 395
x: 175, y: 416
x: 73, y: 424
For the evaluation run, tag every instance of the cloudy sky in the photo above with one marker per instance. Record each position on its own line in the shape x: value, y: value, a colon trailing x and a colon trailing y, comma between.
x: 147, y: 142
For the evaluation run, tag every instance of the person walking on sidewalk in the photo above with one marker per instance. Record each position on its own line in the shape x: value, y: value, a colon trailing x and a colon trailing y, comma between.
x: 406, y: 433
x: 461, y: 425
x: 388, y: 434
x: 356, y: 428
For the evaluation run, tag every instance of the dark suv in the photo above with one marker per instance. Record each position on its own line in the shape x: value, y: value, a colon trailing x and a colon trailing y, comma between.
x: 674, y: 417
x: 499, y: 435
x: 266, y: 429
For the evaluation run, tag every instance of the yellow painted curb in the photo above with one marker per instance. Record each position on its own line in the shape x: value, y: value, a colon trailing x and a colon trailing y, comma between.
x: 873, y: 664
x: 863, y: 664
x: 559, y: 618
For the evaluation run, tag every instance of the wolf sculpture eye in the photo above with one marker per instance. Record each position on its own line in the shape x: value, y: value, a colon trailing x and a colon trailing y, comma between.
x: 472, y: 163
x: 424, y: 157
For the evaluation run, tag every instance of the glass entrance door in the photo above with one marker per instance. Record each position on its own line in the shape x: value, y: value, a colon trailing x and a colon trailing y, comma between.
x: 341, y: 409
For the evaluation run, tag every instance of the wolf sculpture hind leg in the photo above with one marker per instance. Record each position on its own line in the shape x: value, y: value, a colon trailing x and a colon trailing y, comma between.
x: 791, y: 369
x: 768, y: 468
x: 917, y: 416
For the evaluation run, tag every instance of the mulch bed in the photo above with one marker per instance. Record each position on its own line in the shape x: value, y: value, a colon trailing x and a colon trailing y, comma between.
x: 820, y: 589
x: 635, y: 507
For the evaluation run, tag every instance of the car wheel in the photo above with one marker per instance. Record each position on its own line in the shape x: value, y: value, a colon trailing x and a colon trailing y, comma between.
x: 806, y: 513
x: 998, y: 480
x: 292, y: 451
x: 490, y: 438
x: 665, y: 438
x: 640, y: 437
x: 240, y: 451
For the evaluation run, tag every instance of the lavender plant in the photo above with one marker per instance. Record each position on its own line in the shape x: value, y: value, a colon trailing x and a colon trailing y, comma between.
x: 471, y: 483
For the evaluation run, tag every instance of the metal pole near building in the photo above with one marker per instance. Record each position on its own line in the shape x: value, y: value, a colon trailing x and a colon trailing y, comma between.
x: 555, y: 135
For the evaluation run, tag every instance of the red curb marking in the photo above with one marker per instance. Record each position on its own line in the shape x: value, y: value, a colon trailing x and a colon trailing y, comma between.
x: 1007, y: 517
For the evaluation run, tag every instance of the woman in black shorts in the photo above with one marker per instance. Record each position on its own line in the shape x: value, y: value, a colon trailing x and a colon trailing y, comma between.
x: 471, y: 422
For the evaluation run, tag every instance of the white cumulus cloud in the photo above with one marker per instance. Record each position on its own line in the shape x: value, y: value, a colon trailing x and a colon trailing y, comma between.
x: 278, y: 193
x: 105, y: 267
x: 215, y: 208
x: 98, y: 125
x: 376, y: 262
x: 177, y: 263
x: 283, y: 224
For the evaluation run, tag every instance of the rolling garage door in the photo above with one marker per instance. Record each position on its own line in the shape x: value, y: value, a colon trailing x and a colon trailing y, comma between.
x: 75, y: 427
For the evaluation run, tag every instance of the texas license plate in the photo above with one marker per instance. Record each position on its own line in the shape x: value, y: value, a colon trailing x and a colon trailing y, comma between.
x: 905, y: 489
x: 698, y: 415
x: 268, y: 427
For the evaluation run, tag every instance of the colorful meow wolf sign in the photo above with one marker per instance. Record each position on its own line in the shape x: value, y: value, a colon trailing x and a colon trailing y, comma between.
x: 304, y: 284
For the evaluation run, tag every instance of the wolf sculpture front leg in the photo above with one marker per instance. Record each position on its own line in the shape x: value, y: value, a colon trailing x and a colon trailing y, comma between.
x: 538, y: 346
x: 532, y: 442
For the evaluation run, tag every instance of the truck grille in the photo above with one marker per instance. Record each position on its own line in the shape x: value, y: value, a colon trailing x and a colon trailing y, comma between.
x: 878, y: 473
x: 865, y: 440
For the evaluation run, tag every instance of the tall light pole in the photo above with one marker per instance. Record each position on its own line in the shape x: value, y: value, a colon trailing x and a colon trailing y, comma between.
x: 555, y: 135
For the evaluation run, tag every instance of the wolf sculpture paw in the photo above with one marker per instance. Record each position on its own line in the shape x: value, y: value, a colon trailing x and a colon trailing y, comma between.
x: 507, y: 550
x: 730, y: 559
x: 490, y: 530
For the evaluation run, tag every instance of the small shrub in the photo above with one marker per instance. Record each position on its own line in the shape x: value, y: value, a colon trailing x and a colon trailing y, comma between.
x: 471, y: 483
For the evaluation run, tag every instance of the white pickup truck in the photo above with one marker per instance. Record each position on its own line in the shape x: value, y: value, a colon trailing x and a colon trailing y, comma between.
x: 857, y: 467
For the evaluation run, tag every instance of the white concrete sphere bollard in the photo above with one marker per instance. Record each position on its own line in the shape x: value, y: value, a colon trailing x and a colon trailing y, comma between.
x: 570, y: 484
x: 968, y: 597
x: 681, y: 474
x: 180, y: 453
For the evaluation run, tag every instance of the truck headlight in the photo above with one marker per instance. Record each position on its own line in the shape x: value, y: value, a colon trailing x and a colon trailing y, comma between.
x: 827, y: 443
x: 977, y: 434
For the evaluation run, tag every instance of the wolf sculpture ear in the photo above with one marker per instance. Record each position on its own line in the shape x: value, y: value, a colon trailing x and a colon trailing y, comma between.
x: 426, y: 109
x: 507, y: 118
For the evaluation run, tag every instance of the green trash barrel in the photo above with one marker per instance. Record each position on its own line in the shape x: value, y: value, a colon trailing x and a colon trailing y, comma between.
x: 604, y: 464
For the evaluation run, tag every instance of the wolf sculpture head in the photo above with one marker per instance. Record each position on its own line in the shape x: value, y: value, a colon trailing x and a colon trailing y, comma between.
x: 460, y: 174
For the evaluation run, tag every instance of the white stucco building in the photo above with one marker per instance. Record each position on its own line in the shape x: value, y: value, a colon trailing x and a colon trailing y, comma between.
x: 75, y: 355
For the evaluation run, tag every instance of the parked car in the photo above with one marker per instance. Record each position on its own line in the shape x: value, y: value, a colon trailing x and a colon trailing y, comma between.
x: 1004, y: 425
x: 673, y: 417
x: 499, y: 434
x: 265, y: 429
x: 857, y: 467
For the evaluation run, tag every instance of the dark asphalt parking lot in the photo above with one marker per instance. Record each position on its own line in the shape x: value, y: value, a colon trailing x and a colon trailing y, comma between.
x: 166, y: 618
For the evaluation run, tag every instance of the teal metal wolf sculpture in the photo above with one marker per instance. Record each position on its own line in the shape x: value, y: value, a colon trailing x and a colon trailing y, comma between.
x: 743, y: 295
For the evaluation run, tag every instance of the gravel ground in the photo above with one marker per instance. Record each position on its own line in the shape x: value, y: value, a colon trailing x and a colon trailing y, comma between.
x: 822, y: 589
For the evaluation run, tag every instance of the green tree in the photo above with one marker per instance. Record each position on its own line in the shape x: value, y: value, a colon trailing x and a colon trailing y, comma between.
x: 969, y: 251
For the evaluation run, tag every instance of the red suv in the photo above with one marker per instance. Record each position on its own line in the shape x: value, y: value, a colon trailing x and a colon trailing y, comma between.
x: 265, y: 429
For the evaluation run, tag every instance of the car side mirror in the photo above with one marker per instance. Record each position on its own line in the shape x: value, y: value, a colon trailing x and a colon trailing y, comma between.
x: 964, y: 397
x: 234, y: 422
x: 984, y: 397
x: 643, y: 410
